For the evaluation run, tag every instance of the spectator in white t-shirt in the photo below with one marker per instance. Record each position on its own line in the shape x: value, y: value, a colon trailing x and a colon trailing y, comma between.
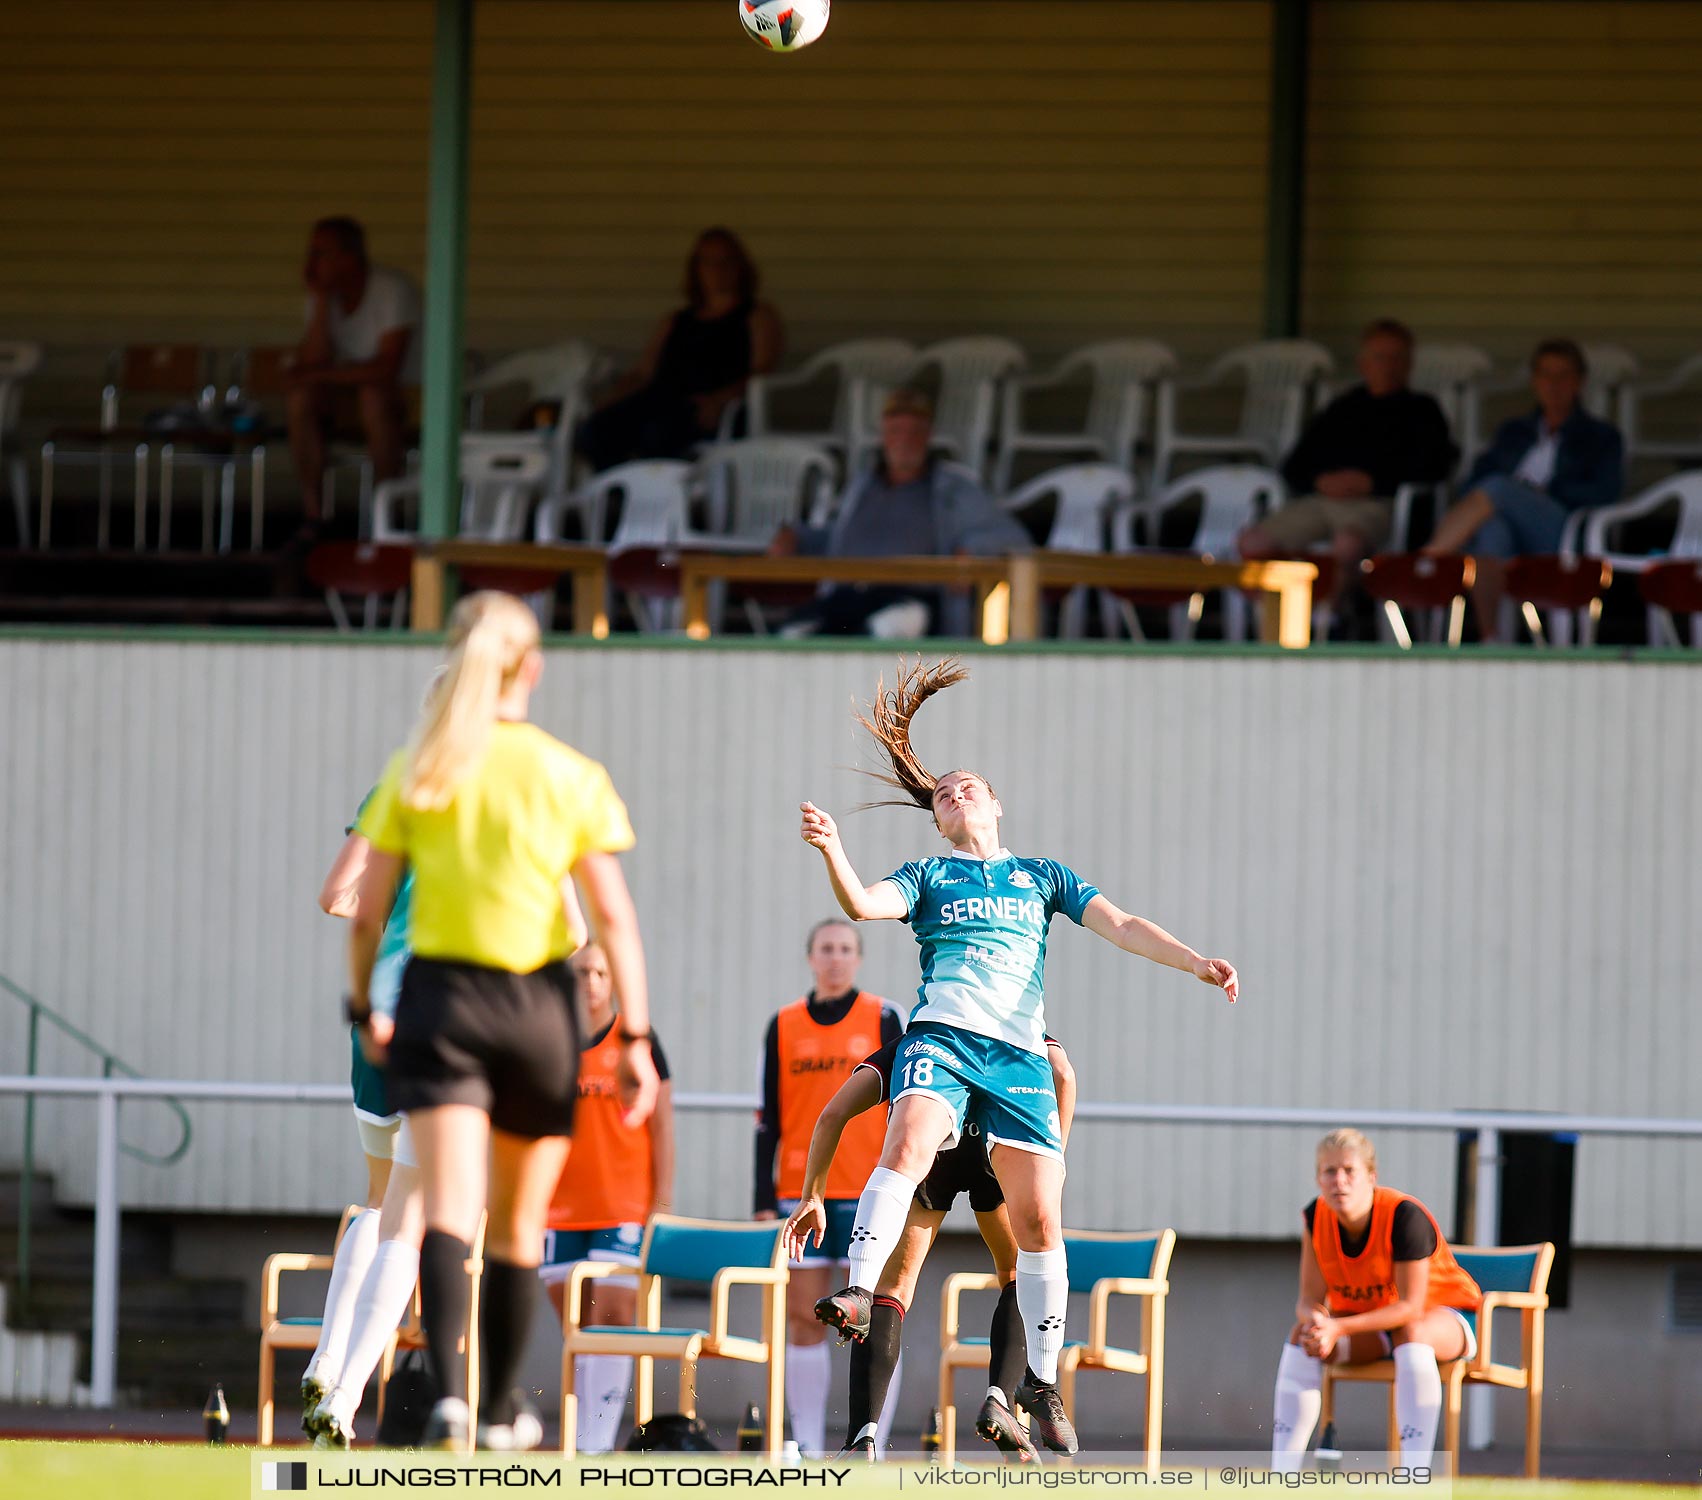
x: 360, y: 349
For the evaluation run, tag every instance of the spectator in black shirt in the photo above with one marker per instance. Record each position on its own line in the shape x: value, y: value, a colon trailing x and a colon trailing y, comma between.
x: 1352, y: 458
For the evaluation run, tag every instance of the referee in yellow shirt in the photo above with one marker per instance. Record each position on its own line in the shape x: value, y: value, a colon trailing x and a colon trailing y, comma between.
x: 495, y: 818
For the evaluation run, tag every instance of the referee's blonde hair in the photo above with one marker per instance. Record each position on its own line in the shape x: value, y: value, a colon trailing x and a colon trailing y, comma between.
x: 1350, y: 1140
x: 490, y: 634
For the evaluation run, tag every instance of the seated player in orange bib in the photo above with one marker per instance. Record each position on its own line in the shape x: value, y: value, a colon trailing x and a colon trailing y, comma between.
x: 615, y: 1178
x: 1376, y: 1278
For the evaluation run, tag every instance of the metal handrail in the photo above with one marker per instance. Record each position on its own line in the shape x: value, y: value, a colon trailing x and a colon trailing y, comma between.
x: 1487, y: 1125
x: 110, y: 1064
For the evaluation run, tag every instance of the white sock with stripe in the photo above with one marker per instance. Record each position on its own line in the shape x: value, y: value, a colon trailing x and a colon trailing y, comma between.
x: 1043, y: 1298
x: 1299, y: 1398
x: 603, y: 1382
x: 809, y: 1373
x: 348, y: 1271
x: 881, y: 1212
x: 1418, y: 1401
x: 381, y: 1306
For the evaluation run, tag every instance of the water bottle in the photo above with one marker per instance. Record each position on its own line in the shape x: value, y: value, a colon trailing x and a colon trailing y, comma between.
x: 216, y: 1415
x: 750, y: 1430
x: 931, y: 1436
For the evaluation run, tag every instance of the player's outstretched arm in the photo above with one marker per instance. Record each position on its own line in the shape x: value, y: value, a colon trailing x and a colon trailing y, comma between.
x: 1146, y: 939
x: 862, y: 903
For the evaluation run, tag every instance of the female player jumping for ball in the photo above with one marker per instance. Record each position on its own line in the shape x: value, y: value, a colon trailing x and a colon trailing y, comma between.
x: 974, y: 1048
x: 1377, y: 1281
x: 963, y: 1168
x: 493, y: 816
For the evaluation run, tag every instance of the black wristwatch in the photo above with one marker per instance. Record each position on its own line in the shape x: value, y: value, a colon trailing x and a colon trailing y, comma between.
x: 356, y: 1018
x: 635, y: 1036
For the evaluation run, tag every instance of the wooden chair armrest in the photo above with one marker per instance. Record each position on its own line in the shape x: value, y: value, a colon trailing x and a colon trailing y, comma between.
x: 583, y: 1271
x: 951, y: 1294
x: 1099, y: 1303
x: 274, y: 1267
x: 721, y: 1288
x: 1532, y: 1304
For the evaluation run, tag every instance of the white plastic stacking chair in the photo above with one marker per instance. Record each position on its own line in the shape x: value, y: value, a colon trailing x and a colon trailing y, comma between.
x: 564, y: 372
x: 1230, y: 498
x: 1609, y: 383
x: 969, y: 373
x: 1280, y: 377
x: 502, y: 474
x: 1591, y: 533
x: 1122, y: 377
x: 1084, y: 498
x: 754, y: 486
x: 853, y: 366
x: 18, y: 361
x: 1686, y: 376
x: 655, y: 515
x: 1456, y: 375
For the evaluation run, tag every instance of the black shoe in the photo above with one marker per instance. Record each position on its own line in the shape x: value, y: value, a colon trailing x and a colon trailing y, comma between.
x: 999, y: 1426
x: 863, y: 1448
x: 1045, y: 1408
x: 848, y: 1311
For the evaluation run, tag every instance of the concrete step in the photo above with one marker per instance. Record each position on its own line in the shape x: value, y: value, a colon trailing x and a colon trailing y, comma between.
x: 146, y: 1304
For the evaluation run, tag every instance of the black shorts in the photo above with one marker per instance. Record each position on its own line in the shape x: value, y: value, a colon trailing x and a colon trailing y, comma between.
x: 963, y: 1169
x: 506, y: 1043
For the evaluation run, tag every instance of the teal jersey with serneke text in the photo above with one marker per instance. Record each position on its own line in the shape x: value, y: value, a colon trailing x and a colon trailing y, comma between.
x: 981, y: 926
x: 384, y: 991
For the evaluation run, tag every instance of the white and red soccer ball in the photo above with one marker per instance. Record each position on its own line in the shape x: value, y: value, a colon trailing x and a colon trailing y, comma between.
x: 784, y: 25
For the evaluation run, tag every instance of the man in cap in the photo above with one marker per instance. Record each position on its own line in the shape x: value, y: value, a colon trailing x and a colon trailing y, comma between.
x: 906, y: 504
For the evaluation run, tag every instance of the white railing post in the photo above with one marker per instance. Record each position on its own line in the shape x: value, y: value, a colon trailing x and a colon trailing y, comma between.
x: 103, y: 1340
x: 1486, y: 1213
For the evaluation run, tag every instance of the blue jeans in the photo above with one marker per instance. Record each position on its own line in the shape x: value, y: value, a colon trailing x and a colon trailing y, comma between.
x: 1526, y: 521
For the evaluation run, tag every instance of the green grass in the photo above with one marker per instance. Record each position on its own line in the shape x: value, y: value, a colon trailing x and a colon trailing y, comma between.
x: 184, y: 1471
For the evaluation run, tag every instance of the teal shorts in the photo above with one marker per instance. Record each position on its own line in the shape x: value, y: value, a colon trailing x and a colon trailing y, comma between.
x: 1004, y: 1089
x: 836, y: 1238
x: 564, y: 1248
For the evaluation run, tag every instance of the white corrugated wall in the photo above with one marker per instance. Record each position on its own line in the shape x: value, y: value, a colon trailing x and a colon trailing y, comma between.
x: 1446, y: 883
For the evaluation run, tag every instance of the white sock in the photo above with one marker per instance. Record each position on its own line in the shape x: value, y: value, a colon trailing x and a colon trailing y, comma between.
x: 881, y: 1212
x: 382, y: 1304
x: 1299, y: 1397
x: 603, y: 1382
x: 883, y: 1428
x: 809, y: 1373
x: 348, y: 1270
x: 1418, y: 1401
x: 995, y: 1394
x: 1043, y: 1297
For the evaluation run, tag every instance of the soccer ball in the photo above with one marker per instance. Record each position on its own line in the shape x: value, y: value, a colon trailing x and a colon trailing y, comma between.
x: 783, y: 25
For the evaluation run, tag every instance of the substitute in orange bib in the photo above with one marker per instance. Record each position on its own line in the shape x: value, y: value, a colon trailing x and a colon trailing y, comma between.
x: 617, y: 1176
x: 810, y: 1050
x: 1376, y: 1278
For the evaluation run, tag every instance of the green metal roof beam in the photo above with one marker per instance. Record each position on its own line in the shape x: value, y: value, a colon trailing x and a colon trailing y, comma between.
x: 1286, y: 172
x: 446, y: 269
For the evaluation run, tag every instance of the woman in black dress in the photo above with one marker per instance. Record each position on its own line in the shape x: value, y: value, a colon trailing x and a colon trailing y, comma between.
x: 696, y: 363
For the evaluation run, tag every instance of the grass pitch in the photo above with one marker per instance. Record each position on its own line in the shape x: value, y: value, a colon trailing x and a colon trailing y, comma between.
x: 33, y: 1470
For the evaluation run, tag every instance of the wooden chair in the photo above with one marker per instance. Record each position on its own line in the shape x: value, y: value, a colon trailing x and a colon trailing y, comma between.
x: 288, y: 1333
x: 1671, y: 589
x: 1511, y: 1276
x: 1102, y: 1266
x: 726, y: 1255
x: 369, y: 571
x: 302, y: 1333
x: 1411, y: 580
x: 1572, y: 587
